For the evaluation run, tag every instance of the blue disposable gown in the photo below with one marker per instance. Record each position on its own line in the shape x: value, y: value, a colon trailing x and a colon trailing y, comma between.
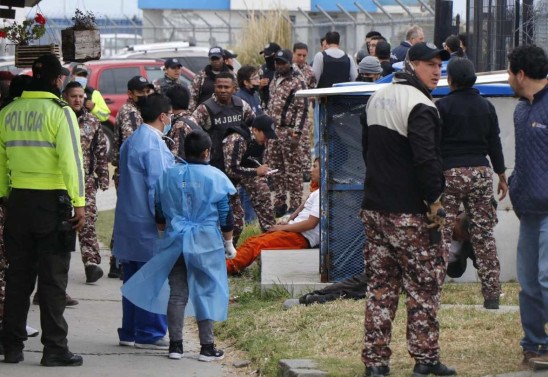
x: 143, y: 158
x: 188, y: 195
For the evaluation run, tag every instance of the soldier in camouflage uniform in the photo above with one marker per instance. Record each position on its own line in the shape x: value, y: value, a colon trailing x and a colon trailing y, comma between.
x: 181, y: 123
x: 216, y: 115
x: 243, y: 154
x: 203, y: 84
x: 403, y: 215
x: 470, y: 133
x: 94, y: 151
x: 172, y: 76
x: 290, y: 115
x: 300, y: 53
x: 267, y: 71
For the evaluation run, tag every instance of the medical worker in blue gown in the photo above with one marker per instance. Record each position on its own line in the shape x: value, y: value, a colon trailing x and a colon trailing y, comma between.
x: 193, y: 198
x: 143, y: 159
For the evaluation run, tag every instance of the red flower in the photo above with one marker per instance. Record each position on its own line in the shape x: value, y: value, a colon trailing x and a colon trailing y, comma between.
x: 39, y: 19
x: 3, y: 34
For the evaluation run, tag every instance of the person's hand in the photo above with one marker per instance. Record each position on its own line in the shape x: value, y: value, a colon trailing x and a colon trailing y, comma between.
x: 89, y: 104
x: 275, y: 228
x: 294, y: 138
x: 262, y: 170
x: 230, y: 251
x: 436, y: 216
x: 79, y: 218
x: 264, y: 82
x: 502, y: 188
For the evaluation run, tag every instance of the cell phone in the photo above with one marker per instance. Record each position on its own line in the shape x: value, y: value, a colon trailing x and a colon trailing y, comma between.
x: 273, y: 171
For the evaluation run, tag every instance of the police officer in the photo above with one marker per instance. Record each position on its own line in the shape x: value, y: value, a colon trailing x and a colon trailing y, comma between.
x: 127, y: 121
x: 266, y: 72
x: 289, y: 114
x: 182, y: 124
x: 243, y: 154
x: 172, y: 76
x: 403, y: 215
x: 215, y: 116
x: 94, y: 149
x: 40, y: 148
x: 95, y: 103
x: 228, y: 58
x: 203, y: 84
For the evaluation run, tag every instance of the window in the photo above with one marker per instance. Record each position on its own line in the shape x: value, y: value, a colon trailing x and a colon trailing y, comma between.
x: 114, y: 80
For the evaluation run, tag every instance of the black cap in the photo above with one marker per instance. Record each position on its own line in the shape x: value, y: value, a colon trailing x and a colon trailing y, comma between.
x: 80, y: 70
x: 427, y: 51
x: 48, y: 66
x: 215, y: 52
x: 172, y: 63
x: 229, y: 55
x: 138, y: 83
x: 284, y: 55
x: 270, y: 48
x: 266, y: 124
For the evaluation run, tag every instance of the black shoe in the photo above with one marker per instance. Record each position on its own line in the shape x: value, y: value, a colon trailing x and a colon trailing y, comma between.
x: 1, y: 349
x: 13, y: 357
x: 438, y: 369
x: 175, y: 349
x: 69, y: 301
x: 93, y: 273
x: 381, y: 371
x: 306, y: 176
x: 65, y: 360
x: 114, y: 272
x: 280, y: 211
x: 491, y: 303
x: 208, y: 352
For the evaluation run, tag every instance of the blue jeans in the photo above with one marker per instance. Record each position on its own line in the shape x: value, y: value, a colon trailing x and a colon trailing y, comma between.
x: 139, y: 325
x: 249, y: 212
x: 532, y: 270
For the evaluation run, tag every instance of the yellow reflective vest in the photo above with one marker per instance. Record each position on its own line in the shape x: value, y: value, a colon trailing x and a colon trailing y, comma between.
x: 100, y: 110
x: 40, y: 146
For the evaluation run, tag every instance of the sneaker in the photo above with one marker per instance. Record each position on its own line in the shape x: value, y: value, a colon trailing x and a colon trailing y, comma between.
x: 64, y: 360
x: 126, y: 343
x: 491, y: 303
x: 93, y: 273
x: 32, y: 332
x: 539, y: 362
x: 70, y: 301
x: 438, y: 369
x: 13, y: 357
x: 208, y: 352
x: 381, y: 371
x: 175, y: 349
x: 160, y: 344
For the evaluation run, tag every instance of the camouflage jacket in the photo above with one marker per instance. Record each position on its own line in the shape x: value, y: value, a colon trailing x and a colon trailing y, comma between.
x: 234, y: 148
x: 308, y: 75
x: 162, y: 85
x: 284, y: 108
x: 202, y: 118
x: 94, y: 148
x: 181, y: 125
x: 203, y: 86
x: 127, y: 121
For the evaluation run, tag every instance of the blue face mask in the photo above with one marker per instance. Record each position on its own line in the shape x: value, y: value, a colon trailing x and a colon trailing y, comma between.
x: 167, y: 127
x: 81, y: 80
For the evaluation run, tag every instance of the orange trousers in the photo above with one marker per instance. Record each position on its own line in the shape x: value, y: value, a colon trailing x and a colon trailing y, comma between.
x: 253, y: 246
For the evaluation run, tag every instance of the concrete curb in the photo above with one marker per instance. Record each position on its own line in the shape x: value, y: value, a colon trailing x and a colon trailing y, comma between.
x: 299, y: 368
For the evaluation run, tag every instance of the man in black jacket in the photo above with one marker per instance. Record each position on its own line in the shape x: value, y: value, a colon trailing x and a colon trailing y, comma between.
x: 403, y: 215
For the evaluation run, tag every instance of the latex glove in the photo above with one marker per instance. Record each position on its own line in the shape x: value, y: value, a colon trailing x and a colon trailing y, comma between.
x: 436, y: 216
x: 230, y: 251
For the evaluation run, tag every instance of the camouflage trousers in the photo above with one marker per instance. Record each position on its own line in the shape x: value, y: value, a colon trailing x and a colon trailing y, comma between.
x: 3, y: 265
x: 399, y: 258
x: 258, y: 191
x: 89, y: 246
x: 305, y: 147
x: 473, y: 188
x: 285, y: 155
x: 238, y: 215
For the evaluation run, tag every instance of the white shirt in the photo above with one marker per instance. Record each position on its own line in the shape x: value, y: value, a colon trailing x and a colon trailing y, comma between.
x: 311, y: 208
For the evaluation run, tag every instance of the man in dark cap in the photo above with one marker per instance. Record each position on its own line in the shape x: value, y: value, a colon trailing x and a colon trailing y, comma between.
x: 266, y: 72
x: 289, y: 114
x: 40, y: 148
x: 403, y: 215
x: 172, y: 76
x: 127, y: 121
x: 203, y: 84
x: 228, y: 58
x: 94, y: 102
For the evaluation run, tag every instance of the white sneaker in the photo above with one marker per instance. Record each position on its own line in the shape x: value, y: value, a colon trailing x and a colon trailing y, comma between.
x: 160, y: 344
x: 126, y: 343
x: 32, y: 332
